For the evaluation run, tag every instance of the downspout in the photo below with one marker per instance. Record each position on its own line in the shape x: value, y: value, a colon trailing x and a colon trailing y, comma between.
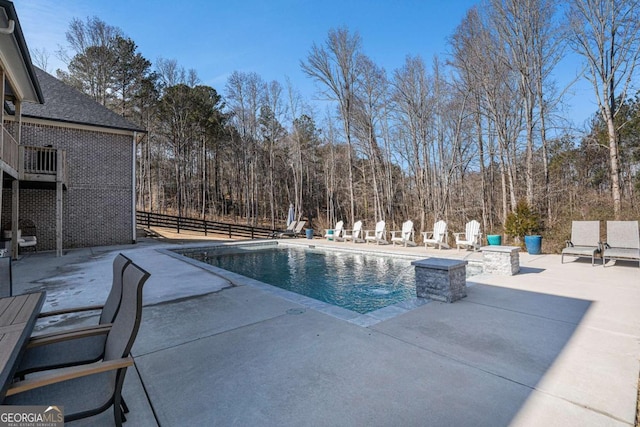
x: 10, y: 27
x: 133, y: 186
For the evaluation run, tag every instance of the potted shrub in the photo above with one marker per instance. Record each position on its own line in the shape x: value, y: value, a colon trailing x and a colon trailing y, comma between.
x: 524, y: 224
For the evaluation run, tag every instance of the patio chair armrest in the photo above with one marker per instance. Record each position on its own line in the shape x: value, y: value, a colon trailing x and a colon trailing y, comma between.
x: 74, y: 334
x: 427, y: 234
x: 70, y: 310
x: 394, y: 232
x: 66, y: 374
x: 457, y: 235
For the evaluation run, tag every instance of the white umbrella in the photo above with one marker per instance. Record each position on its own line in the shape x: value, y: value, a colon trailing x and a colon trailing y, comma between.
x: 292, y: 215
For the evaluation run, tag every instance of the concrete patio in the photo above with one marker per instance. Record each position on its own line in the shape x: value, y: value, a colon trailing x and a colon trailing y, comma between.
x: 557, y: 344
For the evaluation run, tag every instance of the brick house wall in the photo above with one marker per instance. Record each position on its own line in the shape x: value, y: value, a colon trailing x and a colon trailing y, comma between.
x: 97, y: 202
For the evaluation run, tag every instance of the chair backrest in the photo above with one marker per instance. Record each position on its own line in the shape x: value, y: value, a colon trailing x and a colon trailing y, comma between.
x: 623, y: 234
x: 338, y: 229
x: 300, y: 226
x: 407, y: 229
x: 380, y: 229
x: 112, y: 303
x: 357, y: 229
x: 28, y: 227
x: 585, y: 233
x: 440, y: 230
x: 127, y: 322
x: 292, y: 226
x: 471, y: 230
x: 5, y: 277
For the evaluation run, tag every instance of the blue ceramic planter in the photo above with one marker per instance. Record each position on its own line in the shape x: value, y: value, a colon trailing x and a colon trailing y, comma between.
x: 533, y: 244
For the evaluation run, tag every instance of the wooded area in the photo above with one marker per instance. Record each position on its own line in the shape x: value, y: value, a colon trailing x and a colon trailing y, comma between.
x: 460, y: 138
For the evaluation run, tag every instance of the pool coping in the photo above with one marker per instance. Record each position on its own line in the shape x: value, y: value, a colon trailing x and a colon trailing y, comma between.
x: 364, y: 320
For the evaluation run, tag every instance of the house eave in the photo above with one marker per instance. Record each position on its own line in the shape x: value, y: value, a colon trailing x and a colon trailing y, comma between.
x: 15, y: 58
x: 77, y: 125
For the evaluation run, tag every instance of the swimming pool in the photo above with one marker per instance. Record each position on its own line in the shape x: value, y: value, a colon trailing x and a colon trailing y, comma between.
x: 355, y: 281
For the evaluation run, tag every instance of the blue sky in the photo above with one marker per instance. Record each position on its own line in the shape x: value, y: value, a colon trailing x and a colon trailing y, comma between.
x: 268, y: 37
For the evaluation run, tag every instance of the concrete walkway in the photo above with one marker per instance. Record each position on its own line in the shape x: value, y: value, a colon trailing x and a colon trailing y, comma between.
x: 557, y: 344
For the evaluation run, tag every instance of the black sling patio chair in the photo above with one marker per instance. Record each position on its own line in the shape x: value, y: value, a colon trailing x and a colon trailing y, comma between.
x: 110, y: 307
x: 49, y: 351
x: 6, y: 281
x: 90, y: 389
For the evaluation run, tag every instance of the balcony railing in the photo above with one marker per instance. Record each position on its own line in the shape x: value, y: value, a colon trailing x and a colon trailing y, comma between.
x: 44, y: 163
x: 9, y: 150
x: 40, y: 160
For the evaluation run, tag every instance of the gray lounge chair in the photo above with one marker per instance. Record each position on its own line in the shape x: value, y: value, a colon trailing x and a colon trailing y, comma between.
x: 289, y: 229
x: 295, y: 232
x: 623, y: 241
x: 90, y: 389
x: 585, y: 240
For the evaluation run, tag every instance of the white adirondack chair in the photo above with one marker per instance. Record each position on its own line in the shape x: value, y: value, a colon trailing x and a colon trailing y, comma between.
x: 405, y: 236
x: 471, y: 238
x: 378, y: 235
x: 334, y: 233
x: 437, y: 237
x: 356, y: 233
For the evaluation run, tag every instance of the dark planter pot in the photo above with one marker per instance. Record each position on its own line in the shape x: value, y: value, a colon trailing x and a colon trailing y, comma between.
x: 309, y: 232
x: 494, y: 239
x: 533, y: 244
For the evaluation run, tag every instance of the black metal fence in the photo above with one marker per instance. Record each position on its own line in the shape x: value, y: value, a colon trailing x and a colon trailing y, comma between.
x: 149, y: 219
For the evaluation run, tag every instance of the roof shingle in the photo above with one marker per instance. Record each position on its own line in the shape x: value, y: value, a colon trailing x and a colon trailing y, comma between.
x: 66, y: 104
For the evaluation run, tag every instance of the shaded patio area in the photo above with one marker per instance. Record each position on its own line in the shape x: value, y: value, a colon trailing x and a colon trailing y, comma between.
x: 557, y: 344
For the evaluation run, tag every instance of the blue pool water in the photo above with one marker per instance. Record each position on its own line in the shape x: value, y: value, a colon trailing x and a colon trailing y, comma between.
x: 357, y: 282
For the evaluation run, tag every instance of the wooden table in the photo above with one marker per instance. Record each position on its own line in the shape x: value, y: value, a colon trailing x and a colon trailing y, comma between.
x: 18, y: 316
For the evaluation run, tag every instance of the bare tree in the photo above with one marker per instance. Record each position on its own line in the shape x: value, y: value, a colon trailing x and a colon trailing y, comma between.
x: 272, y: 115
x: 501, y: 103
x: 41, y: 59
x: 244, y: 96
x: 335, y: 67
x: 528, y: 30
x: 92, y: 57
x: 468, y: 62
x: 371, y: 95
x: 412, y: 96
x: 294, y: 159
x: 606, y: 33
